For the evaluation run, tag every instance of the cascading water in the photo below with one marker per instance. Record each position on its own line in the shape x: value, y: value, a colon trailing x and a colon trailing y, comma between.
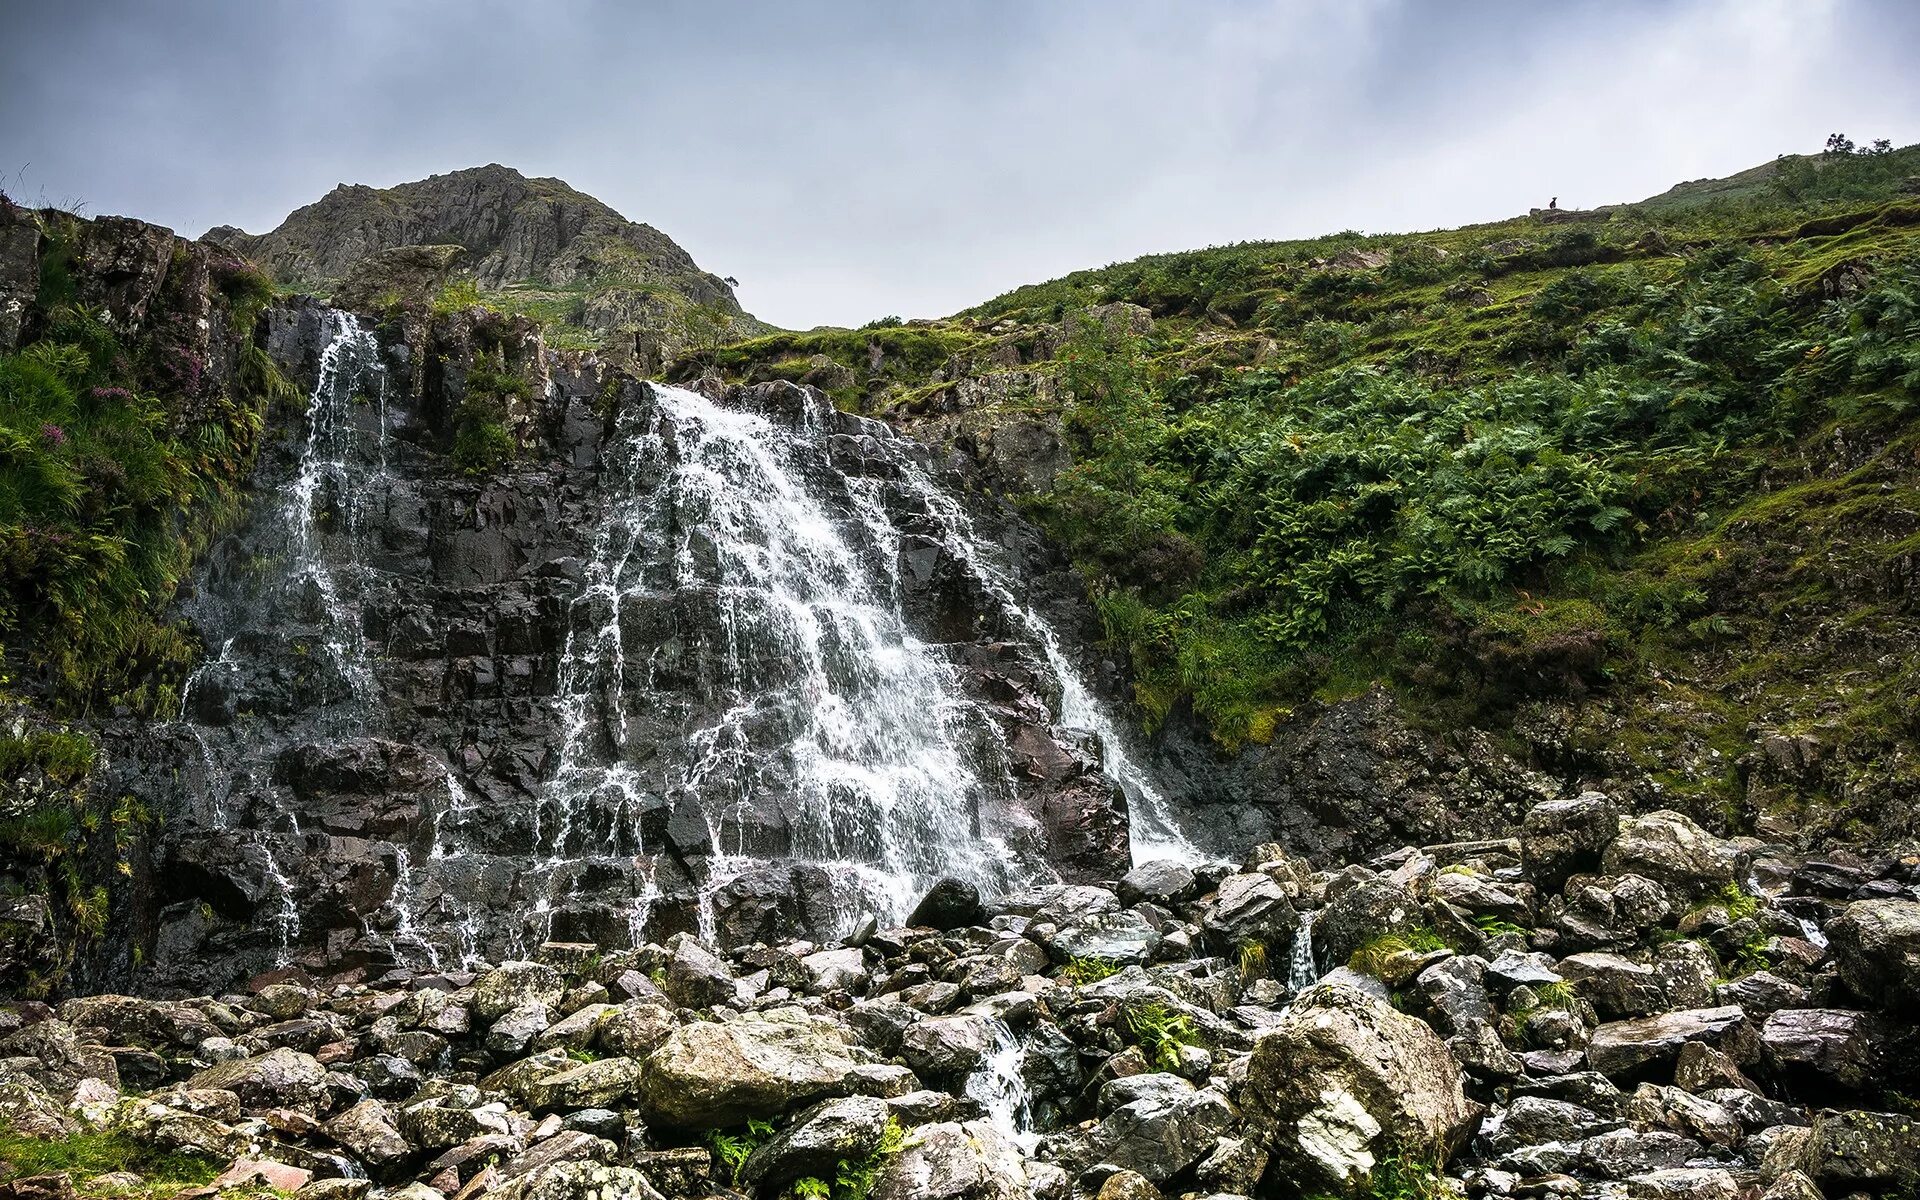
x: 732, y: 530
x: 1154, y: 831
x: 310, y: 587
x: 1301, y: 972
x: 784, y: 673
x: 1000, y: 1088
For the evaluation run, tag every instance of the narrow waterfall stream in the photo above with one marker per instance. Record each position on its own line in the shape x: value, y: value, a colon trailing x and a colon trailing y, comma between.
x: 1001, y: 1089
x: 308, y: 594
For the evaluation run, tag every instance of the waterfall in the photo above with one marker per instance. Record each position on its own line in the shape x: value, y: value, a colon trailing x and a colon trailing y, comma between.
x: 773, y: 686
x: 1154, y: 831
x: 731, y: 534
x: 1301, y: 973
x: 332, y: 487
x: 309, y: 588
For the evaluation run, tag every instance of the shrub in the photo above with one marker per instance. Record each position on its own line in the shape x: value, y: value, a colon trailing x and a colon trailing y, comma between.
x: 1160, y: 1031
x: 1372, y: 957
x: 1082, y: 971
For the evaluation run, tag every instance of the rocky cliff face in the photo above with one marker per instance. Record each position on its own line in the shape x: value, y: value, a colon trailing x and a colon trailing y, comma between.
x: 446, y: 716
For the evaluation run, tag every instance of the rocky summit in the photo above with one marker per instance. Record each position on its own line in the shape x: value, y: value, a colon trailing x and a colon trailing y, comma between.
x: 538, y: 241
x: 1410, y: 717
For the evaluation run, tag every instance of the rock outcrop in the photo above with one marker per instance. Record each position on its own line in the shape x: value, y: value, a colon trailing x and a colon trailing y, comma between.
x: 539, y: 235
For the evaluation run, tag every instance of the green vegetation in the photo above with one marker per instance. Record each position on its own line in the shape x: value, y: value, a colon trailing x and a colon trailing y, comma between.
x: 732, y: 1150
x: 1739, y: 904
x: 1493, y: 926
x: 458, y: 295
x: 1082, y: 971
x: 1160, y: 1031
x: 117, y: 462
x: 1404, y: 1177
x: 1252, y: 961
x: 86, y: 1155
x: 1633, y: 453
x: 482, y: 441
x: 853, y: 1178
x: 1373, y: 956
x: 65, y: 842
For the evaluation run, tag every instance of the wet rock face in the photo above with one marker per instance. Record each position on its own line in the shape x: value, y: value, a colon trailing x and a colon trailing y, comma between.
x: 448, y: 715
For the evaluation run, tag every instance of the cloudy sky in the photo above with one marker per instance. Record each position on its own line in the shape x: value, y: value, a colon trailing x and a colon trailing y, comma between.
x: 852, y: 159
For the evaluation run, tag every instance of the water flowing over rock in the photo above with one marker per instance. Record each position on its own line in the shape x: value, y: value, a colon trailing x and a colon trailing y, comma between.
x: 741, y: 667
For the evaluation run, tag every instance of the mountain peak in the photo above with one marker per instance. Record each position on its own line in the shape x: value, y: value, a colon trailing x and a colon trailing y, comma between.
x: 520, y: 234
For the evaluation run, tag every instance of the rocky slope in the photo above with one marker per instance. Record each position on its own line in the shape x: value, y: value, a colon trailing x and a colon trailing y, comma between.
x: 1619, y: 499
x: 535, y: 243
x: 1597, y: 1005
x: 492, y: 774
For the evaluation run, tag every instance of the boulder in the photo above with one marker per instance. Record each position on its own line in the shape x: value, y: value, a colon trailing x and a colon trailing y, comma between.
x: 578, y: 1181
x: 1160, y: 880
x: 132, y: 1021
x: 1160, y: 1126
x: 369, y: 1130
x: 1342, y: 1080
x: 1683, y: 1183
x: 513, y: 985
x: 1671, y: 849
x: 1531, y: 1120
x: 1655, y: 1106
x: 947, y: 1047
x: 1560, y: 837
x: 597, y: 1084
x: 1357, y: 916
x: 954, y: 1161
x: 696, y: 977
x: 62, y: 1060
x: 516, y: 1028
x: 848, y: 1129
x: 837, y: 970
x: 566, y: 1146
x: 1828, y: 1045
x: 719, y: 1074
x: 1616, y: 987
x: 1252, y: 908
x: 1641, y: 1045
x: 1127, y: 1185
x: 281, y: 1078
x: 27, y: 1108
x: 1115, y: 937
x: 1846, y: 1152
x: 1876, y: 950
x: 948, y: 904
x: 634, y: 1029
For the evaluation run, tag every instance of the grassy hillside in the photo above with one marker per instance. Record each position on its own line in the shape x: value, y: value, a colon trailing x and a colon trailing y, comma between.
x: 1663, y: 449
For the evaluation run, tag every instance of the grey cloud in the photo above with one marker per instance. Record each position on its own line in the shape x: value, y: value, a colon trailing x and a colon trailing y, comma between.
x: 850, y: 160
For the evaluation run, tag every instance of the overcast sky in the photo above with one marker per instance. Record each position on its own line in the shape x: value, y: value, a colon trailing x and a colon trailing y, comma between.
x: 851, y: 160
